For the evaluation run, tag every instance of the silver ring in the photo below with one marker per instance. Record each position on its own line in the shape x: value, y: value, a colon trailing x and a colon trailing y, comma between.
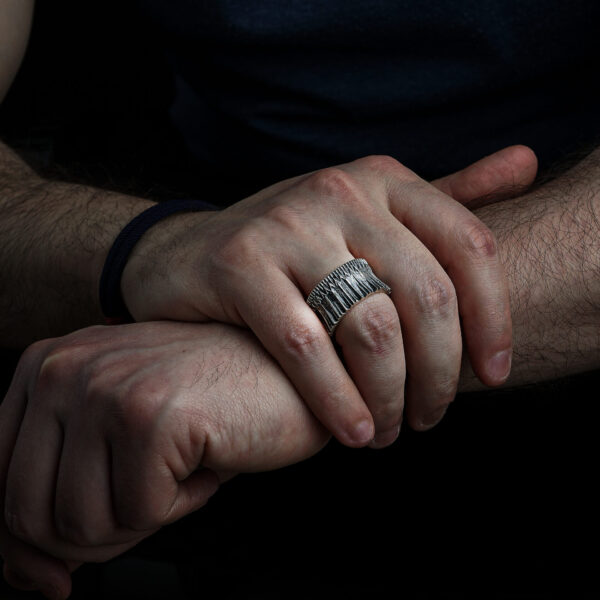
x: 344, y: 287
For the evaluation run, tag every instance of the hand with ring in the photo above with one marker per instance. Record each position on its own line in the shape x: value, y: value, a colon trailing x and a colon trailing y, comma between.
x: 254, y: 264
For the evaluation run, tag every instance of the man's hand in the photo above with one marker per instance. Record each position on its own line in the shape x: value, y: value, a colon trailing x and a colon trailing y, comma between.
x: 254, y: 263
x: 108, y: 434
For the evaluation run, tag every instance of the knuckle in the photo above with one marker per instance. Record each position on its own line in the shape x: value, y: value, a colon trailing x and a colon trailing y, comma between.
x: 99, y: 387
x: 302, y: 342
x: 59, y: 365
x: 97, y: 393
x: 286, y: 215
x: 477, y: 240
x: 51, y: 370
x: 381, y: 162
x: 435, y: 297
x: 32, y: 351
x: 378, y: 327
x: 233, y: 253
x: 335, y: 183
x: 136, y: 408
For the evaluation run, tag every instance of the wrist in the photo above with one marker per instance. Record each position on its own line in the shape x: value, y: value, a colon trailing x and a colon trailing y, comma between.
x: 152, y: 273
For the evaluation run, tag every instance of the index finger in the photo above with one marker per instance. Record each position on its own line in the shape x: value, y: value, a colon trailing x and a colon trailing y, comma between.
x: 467, y: 250
x: 499, y: 176
x: 25, y: 567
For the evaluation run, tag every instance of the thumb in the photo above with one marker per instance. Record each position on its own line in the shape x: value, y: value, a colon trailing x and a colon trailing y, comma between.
x: 499, y: 176
x: 193, y: 493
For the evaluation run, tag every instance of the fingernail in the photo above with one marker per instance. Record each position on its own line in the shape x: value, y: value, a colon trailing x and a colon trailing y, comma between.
x: 499, y: 365
x: 363, y: 432
x: 385, y: 438
x: 434, y: 417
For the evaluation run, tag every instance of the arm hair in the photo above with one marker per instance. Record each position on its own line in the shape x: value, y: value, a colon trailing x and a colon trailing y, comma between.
x: 549, y: 242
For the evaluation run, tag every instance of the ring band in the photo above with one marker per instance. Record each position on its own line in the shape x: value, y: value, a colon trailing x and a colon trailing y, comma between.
x: 344, y: 287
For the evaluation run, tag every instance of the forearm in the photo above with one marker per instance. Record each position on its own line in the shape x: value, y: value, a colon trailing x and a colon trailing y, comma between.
x: 54, y: 239
x: 549, y: 241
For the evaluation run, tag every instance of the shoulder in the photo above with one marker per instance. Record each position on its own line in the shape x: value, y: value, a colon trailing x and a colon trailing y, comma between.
x: 15, y: 24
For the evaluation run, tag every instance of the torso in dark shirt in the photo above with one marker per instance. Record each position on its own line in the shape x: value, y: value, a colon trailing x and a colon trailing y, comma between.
x: 272, y: 89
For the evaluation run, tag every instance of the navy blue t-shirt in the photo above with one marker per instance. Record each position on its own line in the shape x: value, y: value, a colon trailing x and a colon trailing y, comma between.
x: 270, y: 89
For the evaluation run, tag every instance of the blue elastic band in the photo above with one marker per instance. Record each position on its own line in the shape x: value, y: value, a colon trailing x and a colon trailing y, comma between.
x: 111, y: 300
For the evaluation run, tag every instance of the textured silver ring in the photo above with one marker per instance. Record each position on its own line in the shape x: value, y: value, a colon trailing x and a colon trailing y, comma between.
x: 344, y: 287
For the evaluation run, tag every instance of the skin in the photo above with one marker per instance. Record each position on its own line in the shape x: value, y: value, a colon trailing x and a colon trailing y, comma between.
x: 548, y: 240
x: 277, y: 240
x: 152, y: 417
x: 284, y: 240
x: 254, y: 263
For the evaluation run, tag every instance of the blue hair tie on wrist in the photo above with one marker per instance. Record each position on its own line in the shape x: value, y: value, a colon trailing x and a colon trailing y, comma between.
x: 111, y: 299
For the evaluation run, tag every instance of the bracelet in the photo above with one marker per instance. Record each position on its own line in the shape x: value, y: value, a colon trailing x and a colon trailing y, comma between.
x: 111, y: 299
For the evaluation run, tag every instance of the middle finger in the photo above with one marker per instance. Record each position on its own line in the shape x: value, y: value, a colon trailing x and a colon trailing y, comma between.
x: 426, y: 303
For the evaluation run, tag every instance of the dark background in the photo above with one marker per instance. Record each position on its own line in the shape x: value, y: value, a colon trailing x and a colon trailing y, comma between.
x: 498, y: 501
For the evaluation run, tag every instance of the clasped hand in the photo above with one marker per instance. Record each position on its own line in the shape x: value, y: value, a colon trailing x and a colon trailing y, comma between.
x: 109, y: 433
x: 254, y: 263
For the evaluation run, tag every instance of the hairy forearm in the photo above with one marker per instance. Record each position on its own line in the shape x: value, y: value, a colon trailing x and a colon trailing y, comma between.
x: 54, y: 238
x: 549, y: 242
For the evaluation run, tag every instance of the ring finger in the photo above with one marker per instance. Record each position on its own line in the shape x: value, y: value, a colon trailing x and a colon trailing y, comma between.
x: 371, y: 342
